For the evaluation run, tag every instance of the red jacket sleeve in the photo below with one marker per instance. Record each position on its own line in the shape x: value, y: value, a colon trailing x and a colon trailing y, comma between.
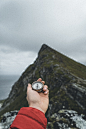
x: 29, y: 118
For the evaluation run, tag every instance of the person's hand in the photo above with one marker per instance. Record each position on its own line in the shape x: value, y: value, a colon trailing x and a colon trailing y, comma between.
x: 38, y: 100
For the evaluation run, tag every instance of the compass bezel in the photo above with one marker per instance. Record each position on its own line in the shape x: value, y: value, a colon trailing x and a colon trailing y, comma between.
x: 40, y: 89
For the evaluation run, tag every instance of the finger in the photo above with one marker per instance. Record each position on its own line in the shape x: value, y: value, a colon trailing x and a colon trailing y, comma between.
x: 43, y: 82
x: 45, y: 88
x: 39, y: 80
x: 29, y: 87
x: 46, y: 92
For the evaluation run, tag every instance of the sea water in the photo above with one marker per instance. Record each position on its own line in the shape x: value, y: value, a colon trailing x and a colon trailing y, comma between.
x: 6, y: 83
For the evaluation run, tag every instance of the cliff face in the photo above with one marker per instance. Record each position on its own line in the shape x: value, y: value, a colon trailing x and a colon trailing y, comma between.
x: 65, y: 78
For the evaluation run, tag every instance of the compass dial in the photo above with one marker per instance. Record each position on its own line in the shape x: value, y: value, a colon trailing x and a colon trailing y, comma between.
x: 38, y: 86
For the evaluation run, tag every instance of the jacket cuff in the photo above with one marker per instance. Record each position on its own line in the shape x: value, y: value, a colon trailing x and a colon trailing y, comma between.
x: 34, y: 114
x: 29, y: 117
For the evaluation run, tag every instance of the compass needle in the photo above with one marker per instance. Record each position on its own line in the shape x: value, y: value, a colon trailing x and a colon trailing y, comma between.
x: 37, y: 86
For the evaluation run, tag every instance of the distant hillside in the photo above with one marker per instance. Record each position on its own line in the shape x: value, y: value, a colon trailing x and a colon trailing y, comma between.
x: 65, y: 77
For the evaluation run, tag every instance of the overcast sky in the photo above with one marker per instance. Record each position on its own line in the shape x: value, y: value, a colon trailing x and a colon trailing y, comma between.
x: 26, y: 24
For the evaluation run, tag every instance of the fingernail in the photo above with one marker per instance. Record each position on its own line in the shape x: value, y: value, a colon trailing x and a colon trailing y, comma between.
x: 46, y: 92
x: 45, y: 88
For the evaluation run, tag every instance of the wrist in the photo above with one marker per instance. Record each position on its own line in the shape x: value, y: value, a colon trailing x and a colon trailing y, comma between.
x: 37, y: 107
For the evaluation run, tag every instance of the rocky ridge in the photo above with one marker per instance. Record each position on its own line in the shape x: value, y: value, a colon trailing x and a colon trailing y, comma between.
x: 7, y: 119
x: 67, y: 119
x: 66, y: 80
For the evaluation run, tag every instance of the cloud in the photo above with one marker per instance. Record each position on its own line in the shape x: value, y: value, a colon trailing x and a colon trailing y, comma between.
x: 15, y: 62
x: 26, y: 25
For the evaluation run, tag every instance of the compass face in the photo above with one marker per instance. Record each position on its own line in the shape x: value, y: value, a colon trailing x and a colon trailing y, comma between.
x: 38, y: 86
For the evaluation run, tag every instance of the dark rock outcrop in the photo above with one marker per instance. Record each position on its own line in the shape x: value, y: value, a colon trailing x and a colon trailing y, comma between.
x: 66, y: 119
x: 7, y: 119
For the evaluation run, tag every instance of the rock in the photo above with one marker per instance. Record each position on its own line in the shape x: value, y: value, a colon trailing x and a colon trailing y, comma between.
x: 7, y: 119
x: 67, y: 119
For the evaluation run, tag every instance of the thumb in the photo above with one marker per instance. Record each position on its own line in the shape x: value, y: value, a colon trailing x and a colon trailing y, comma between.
x: 29, y: 87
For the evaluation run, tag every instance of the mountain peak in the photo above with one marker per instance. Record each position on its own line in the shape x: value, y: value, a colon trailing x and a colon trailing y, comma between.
x: 43, y: 47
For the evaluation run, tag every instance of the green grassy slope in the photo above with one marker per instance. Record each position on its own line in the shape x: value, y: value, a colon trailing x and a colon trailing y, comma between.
x: 74, y: 67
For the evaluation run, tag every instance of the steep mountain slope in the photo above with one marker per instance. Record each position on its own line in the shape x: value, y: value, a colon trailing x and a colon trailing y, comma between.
x: 64, y: 76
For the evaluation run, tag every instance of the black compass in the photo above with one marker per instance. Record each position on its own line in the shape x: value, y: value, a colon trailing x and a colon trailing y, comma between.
x: 37, y: 86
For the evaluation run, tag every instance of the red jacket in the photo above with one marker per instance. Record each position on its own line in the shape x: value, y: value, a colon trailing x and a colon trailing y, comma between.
x: 29, y: 118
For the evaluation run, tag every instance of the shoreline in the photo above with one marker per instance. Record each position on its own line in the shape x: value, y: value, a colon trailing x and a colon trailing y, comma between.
x: 0, y: 105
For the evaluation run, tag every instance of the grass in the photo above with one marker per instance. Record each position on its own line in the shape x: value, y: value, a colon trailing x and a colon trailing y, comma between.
x: 74, y: 67
x: 61, y: 99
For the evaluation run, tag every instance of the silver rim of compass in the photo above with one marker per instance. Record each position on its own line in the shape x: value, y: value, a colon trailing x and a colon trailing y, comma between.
x: 37, y: 86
